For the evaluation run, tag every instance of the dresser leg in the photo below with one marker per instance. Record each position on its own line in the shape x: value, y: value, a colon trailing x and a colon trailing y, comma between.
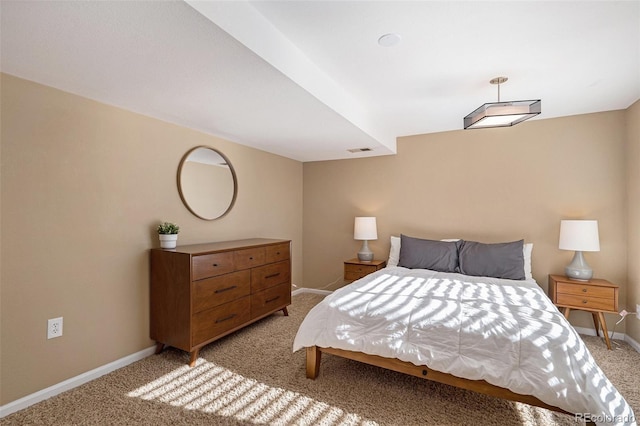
x: 193, y: 357
x: 285, y: 311
x: 566, y: 312
x: 604, y: 329
x: 159, y: 347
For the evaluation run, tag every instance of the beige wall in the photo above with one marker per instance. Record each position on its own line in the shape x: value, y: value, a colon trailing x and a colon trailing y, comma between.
x: 486, y: 185
x: 633, y: 232
x: 83, y: 187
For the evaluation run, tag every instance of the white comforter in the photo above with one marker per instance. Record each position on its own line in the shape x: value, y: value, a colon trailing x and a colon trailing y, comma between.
x: 502, y: 331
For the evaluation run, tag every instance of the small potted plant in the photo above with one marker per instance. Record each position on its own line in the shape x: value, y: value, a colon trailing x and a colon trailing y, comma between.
x: 168, y: 234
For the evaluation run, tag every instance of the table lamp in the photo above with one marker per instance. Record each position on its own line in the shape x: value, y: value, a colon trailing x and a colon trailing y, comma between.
x: 365, y: 229
x: 579, y: 235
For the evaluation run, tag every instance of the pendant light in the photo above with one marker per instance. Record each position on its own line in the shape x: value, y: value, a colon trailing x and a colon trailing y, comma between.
x: 502, y: 114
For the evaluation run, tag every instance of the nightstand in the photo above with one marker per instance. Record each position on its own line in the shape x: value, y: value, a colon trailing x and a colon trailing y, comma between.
x: 355, y: 269
x: 596, y: 296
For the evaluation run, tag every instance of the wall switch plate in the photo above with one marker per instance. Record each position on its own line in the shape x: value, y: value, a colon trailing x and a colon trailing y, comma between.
x: 638, y: 311
x: 54, y: 328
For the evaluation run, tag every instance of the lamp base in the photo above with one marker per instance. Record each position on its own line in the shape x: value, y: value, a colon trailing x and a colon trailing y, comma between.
x: 365, y: 255
x: 578, y: 269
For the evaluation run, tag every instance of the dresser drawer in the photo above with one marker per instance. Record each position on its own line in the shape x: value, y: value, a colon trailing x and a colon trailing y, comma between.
x: 245, y: 259
x: 210, y: 265
x: 277, y: 253
x: 270, y: 275
x: 216, y: 291
x: 213, y: 322
x: 270, y: 300
x: 585, y: 302
x: 585, y: 290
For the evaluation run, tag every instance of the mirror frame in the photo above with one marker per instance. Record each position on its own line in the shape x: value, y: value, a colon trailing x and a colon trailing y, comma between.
x: 233, y: 175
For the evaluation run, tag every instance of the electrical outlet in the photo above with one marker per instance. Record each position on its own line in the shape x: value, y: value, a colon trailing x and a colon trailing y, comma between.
x: 638, y: 311
x: 54, y: 328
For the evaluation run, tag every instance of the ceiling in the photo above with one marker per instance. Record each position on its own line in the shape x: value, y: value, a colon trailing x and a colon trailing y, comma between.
x: 307, y: 79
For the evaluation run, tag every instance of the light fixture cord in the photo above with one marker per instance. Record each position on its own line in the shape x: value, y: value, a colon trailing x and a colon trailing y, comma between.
x: 498, y: 92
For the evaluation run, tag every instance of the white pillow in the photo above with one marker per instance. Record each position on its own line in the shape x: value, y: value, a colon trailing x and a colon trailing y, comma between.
x: 526, y: 253
x: 394, y: 255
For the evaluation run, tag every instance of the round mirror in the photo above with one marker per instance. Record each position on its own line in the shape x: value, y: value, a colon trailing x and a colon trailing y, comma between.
x: 207, y: 183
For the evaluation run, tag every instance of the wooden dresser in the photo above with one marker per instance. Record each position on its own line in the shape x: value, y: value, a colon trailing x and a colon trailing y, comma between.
x: 202, y: 292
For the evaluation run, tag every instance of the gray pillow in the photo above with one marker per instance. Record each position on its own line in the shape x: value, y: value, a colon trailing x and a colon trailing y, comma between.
x: 502, y: 260
x: 416, y: 253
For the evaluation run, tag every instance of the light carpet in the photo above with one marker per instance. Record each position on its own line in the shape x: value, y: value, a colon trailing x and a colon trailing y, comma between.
x: 252, y: 377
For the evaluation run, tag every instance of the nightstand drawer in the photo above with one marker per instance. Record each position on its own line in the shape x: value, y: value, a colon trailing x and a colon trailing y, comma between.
x: 355, y: 269
x: 586, y: 290
x: 585, y: 302
x: 354, y: 272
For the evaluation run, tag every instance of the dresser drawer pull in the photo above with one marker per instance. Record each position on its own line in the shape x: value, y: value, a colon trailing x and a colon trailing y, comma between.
x: 225, y: 289
x: 584, y: 301
x: 251, y: 258
x: 273, y: 299
x: 225, y: 318
x: 584, y: 290
x: 215, y: 264
x: 272, y: 275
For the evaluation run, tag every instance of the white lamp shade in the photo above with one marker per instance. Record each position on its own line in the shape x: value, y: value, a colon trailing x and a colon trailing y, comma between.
x: 579, y: 235
x: 365, y: 229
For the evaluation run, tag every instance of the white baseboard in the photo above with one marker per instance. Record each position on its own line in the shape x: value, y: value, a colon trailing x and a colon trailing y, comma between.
x: 634, y: 344
x: 300, y: 290
x: 592, y: 332
x: 73, y: 382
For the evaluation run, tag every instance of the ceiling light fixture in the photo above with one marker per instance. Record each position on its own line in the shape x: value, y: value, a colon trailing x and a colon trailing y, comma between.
x: 502, y: 114
x: 389, y: 40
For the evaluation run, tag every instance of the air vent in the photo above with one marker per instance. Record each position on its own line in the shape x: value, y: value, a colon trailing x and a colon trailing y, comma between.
x: 359, y: 150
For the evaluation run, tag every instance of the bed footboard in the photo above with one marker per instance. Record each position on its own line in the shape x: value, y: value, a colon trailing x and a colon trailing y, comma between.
x: 314, y: 355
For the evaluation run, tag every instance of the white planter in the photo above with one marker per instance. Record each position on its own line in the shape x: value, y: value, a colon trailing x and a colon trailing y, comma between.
x: 168, y: 240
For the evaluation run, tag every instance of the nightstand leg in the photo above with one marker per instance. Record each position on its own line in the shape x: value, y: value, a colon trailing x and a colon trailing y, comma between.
x: 596, y: 323
x: 566, y: 312
x: 604, y: 329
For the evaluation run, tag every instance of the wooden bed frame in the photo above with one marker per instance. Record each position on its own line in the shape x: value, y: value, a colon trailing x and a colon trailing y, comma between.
x: 314, y: 355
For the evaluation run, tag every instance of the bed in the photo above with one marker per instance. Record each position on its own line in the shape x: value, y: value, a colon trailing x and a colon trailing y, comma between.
x: 495, y: 335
